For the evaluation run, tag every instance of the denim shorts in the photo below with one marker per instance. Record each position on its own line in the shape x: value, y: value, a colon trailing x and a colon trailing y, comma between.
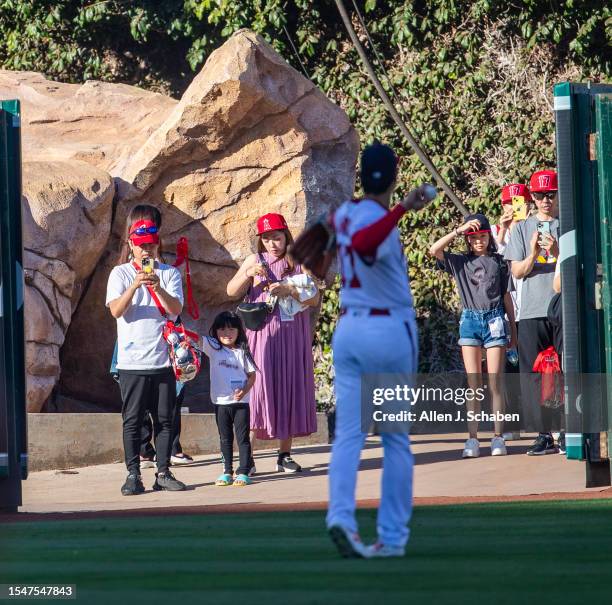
x: 483, y: 328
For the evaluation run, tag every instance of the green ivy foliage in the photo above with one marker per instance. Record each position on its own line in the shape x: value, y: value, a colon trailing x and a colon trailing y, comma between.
x: 472, y: 78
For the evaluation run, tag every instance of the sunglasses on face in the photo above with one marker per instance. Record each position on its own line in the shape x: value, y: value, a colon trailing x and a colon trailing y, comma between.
x: 551, y: 195
x: 144, y: 231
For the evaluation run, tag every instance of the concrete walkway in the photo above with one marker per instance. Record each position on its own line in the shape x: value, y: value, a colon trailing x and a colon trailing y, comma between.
x: 440, y: 474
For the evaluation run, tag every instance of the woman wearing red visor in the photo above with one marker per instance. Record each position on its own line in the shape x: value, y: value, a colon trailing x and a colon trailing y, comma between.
x: 145, y: 374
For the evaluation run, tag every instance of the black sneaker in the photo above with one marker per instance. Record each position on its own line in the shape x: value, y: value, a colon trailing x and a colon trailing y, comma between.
x: 167, y: 481
x: 544, y: 444
x: 133, y: 485
x: 561, y: 442
x: 287, y: 464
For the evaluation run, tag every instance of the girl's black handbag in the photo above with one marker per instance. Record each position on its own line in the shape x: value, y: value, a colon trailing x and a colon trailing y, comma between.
x: 254, y: 314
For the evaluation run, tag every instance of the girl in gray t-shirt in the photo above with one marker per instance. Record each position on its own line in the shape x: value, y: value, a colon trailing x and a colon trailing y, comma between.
x: 481, y: 276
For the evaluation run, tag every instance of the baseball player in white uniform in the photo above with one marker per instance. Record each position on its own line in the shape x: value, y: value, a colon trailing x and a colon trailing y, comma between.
x: 375, y: 333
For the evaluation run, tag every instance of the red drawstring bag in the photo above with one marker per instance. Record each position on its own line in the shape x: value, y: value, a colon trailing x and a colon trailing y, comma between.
x: 182, y: 256
x: 551, y: 390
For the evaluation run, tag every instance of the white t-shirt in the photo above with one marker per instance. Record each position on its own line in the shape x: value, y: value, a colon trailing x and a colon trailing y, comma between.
x: 381, y: 282
x: 140, y: 343
x: 229, y: 369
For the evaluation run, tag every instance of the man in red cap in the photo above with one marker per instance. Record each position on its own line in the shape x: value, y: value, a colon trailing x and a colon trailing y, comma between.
x: 533, y: 249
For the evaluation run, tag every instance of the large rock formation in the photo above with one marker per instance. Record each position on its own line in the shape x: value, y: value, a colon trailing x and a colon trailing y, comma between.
x: 249, y: 136
x: 66, y: 223
x: 96, y: 122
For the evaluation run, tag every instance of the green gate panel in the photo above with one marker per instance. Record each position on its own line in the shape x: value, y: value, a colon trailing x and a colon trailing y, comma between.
x: 603, y: 119
x: 13, y: 436
x: 585, y: 329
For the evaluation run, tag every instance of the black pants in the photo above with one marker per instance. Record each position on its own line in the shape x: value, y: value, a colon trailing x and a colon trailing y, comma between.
x: 155, y: 393
x: 234, y: 418
x: 536, y: 335
x: 146, y: 447
x: 555, y: 316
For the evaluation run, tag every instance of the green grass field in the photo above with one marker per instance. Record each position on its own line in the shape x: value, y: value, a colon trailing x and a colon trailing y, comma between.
x: 520, y: 552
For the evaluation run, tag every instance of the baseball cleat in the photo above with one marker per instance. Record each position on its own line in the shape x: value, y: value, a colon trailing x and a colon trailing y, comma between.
x: 348, y: 543
x: 384, y: 550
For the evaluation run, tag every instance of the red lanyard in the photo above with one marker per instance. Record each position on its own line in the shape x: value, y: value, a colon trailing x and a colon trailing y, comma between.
x: 182, y: 256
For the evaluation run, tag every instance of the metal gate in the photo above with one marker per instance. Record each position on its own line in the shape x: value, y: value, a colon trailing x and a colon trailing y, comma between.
x: 584, y: 215
x: 13, y: 438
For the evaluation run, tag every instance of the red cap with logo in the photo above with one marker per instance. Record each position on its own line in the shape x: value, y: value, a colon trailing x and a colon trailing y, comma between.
x: 514, y: 190
x: 144, y: 232
x: 271, y: 222
x: 543, y: 181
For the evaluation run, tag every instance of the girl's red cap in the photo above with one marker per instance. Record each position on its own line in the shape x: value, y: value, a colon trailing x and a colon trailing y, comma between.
x: 271, y: 222
x: 515, y: 190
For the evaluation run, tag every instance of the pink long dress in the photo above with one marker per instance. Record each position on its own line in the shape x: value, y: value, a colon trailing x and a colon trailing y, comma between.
x: 282, y: 401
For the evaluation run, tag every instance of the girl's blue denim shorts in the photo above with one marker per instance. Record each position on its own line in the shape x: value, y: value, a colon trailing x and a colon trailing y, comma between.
x: 483, y: 328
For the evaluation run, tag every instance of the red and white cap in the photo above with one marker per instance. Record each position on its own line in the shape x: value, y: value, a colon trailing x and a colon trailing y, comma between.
x: 514, y: 190
x: 543, y: 181
x: 271, y: 222
x: 144, y: 232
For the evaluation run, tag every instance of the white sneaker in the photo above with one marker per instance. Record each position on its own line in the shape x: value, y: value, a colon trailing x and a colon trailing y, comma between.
x: 147, y: 462
x: 471, y: 449
x: 252, y: 471
x: 384, y: 550
x: 178, y: 460
x: 348, y: 543
x: 498, y: 446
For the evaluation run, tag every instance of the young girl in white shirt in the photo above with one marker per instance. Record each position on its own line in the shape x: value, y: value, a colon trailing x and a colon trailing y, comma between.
x: 232, y: 375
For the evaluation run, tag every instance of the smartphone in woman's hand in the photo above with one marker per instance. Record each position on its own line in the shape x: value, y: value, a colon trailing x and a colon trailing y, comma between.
x: 147, y: 264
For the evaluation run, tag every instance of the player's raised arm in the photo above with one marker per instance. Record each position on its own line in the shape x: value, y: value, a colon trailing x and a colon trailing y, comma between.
x: 367, y: 240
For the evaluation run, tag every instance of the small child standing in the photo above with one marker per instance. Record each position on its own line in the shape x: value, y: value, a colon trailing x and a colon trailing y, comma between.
x: 232, y: 375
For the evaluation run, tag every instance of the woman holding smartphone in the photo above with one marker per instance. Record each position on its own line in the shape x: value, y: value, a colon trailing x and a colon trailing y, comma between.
x: 142, y: 293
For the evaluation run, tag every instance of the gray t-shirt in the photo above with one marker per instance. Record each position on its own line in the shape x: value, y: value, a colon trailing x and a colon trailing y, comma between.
x: 482, y: 281
x: 537, y: 289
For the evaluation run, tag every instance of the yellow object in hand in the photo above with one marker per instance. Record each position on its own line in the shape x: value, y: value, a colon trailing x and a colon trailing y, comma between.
x: 519, y: 208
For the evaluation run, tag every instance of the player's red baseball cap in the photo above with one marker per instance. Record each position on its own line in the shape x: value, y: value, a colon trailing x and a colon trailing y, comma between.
x: 514, y: 190
x: 543, y: 181
x: 144, y: 232
x: 271, y: 222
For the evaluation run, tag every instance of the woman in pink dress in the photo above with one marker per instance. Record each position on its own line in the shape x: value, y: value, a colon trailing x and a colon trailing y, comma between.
x: 283, y: 397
